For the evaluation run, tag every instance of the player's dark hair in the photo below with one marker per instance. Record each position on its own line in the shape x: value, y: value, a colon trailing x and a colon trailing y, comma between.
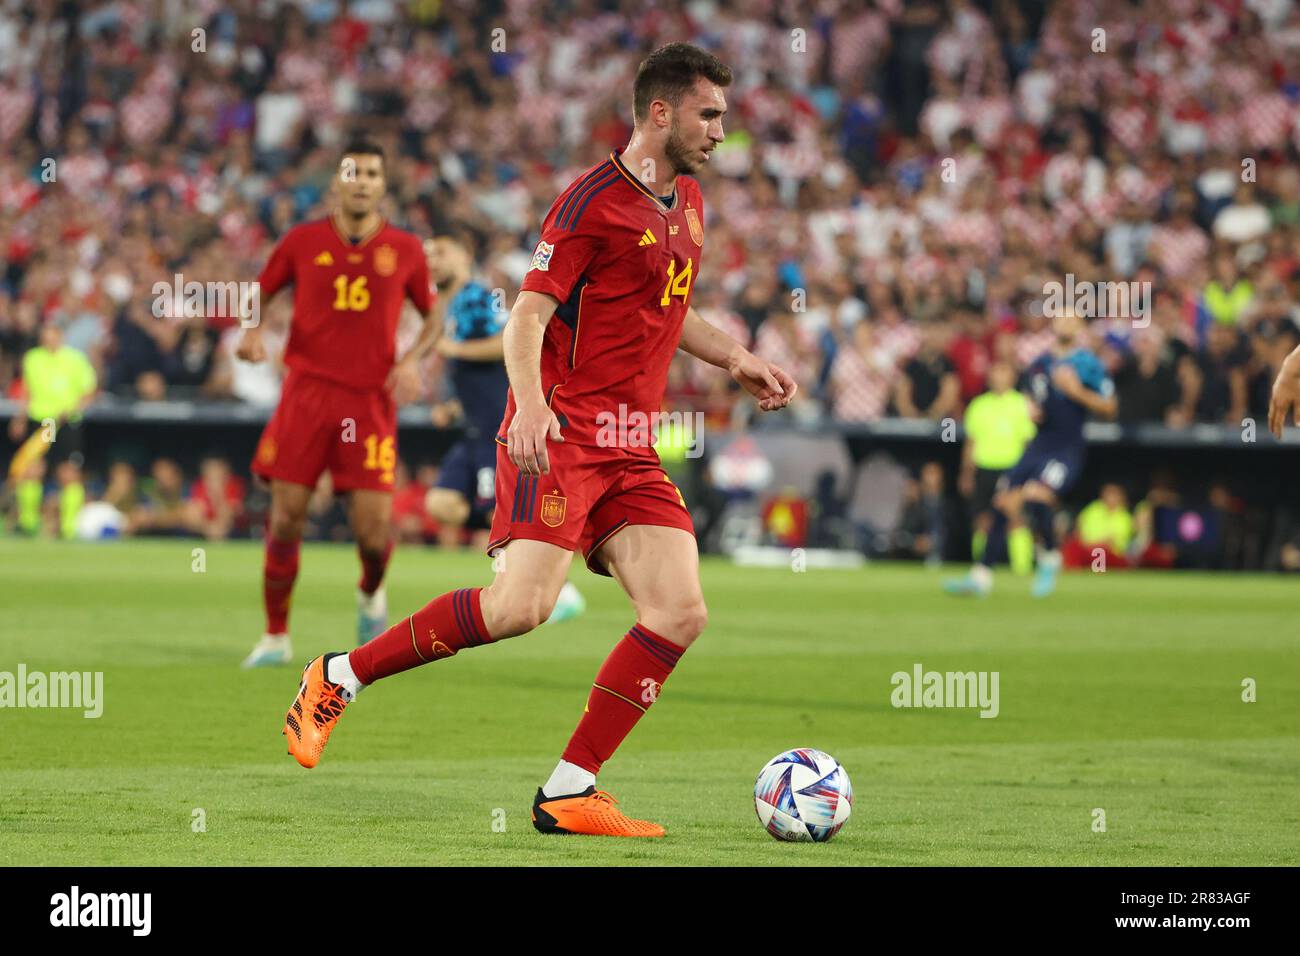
x: 461, y: 237
x: 670, y: 72
x: 360, y: 146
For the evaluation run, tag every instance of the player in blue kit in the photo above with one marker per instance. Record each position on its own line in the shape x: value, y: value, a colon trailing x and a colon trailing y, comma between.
x: 473, y: 321
x: 1065, y: 384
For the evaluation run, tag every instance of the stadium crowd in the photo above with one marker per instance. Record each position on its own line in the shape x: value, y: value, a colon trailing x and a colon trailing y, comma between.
x: 899, y: 183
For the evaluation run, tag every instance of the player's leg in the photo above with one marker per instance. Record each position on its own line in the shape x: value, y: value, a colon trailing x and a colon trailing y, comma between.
x: 448, y: 502
x: 658, y: 568
x: 451, y: 510
x: 519, y: 598
x: 1005, y: 518
x: 370, y: 514
x: 1040, y: 509
x: 1019, y: 540
x: 465, y: 496
x: 280, y: 560
x: 642, y: 536
x: 534, y: 547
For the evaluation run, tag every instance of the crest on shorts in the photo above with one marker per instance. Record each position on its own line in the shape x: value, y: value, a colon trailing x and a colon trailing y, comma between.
x: 266, y: 451
x: 694, y: 225
x: 553, y: 510
x: 542, y: 257
x: 385, y: 260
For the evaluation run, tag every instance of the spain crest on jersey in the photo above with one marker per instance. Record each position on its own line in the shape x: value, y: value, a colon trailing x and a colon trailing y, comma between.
x: 385, y: 260
x: 542, y: 257
x: 694, y: 225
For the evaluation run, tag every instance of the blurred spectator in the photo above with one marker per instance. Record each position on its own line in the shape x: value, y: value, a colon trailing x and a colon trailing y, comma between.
x: 861, y: 377
x: 1218, y: 379
x: 1146, y: 382
x: 1104, y: 529
x: 410, y: 516
x: 164, y: 510
x: 928, y: 386
x: 1228, y: 295
x: 216, y: 500
x: 923, y: 530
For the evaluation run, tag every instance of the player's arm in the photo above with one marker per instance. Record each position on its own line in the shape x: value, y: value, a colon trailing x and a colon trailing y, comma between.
x: 533, y: 422
x: 1066, y: 380
x: 276, y: 274
x: 766, y: 382
x: 404, y: 378
x: 1285, y: 400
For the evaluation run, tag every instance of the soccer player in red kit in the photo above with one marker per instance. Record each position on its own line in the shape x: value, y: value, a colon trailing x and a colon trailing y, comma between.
x: 601, y: 312
x: 351, y: 272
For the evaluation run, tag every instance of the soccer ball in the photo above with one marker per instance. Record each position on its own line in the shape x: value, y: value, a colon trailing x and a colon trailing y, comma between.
x: 803, y: 795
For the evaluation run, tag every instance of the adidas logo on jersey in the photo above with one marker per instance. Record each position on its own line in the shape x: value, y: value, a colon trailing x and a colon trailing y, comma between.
x: 324, y: 259
x: 648, y: 239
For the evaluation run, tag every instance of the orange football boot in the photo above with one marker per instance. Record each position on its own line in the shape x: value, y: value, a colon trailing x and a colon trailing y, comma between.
x: 592, y: 812
x: 314, y: 713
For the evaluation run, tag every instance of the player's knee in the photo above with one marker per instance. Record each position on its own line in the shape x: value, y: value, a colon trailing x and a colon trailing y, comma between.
x: 286, y: 525
x: 373, y: 538
x: 682, y: 625
x: 520, y: 613
x: 447, y: 507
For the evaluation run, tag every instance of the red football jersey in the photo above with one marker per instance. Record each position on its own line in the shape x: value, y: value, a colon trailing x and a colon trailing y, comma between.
x: 347, y: 298
x: 622, y: 265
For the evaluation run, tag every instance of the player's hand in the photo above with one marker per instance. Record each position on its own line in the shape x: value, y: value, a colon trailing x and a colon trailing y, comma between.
x: 403, y: 382
x: 526, y: 438
x: 17, y: 428
x: 1066, y: 380
x: 1285, y: 401
x: 766, y: 382
x: 251, y: 348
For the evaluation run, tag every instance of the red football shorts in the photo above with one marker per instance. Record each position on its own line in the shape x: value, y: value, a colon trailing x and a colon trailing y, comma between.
x: 584, y: 501
x: 321, y: 425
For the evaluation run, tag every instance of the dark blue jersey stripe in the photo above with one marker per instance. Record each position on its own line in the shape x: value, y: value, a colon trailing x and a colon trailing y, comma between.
x: 605, y: 170
x: 573, y: 220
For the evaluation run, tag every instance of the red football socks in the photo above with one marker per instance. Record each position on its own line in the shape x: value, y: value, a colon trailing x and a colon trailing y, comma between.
x: 279, y: 571
x: 626, y: 685
x: 373, y: 565
x: 439, y: 629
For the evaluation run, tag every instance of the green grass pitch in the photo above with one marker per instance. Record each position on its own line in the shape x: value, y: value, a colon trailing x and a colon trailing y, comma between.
x: 1123, y: 693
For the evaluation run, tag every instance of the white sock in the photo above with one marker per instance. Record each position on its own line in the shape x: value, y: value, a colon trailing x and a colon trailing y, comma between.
x: 982, y: 575
x: 340, y: 671
x: 373, y: 605
x: 567, y: 779
x: 1050, y: 559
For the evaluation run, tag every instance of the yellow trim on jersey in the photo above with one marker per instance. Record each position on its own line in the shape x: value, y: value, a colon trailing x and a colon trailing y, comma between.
x: 626, y: 174
x: 577, y: 324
